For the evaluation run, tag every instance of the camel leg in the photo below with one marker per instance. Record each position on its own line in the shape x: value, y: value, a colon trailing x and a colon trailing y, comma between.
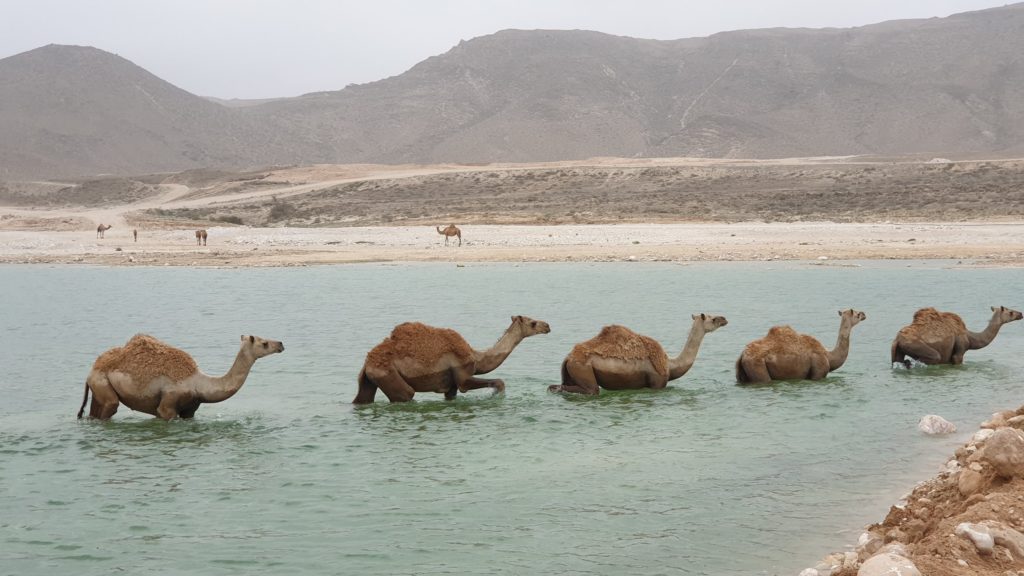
x: 474, y: 383
x: 104, y: 398
x: 189, y: 410
x: 756, y: 371
x: 577, y: 379
x: 960, y: 347
x: 394, y: 387
x: 367, y: 390
x: 168, y: 407
x: 819, y: 369
x: 920, y: 352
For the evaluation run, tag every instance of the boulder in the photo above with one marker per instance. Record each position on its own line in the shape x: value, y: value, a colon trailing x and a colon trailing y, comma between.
x: 1004, y: 452
x: 978, y: 534
x: 970, y: 482
x: 933, y: 425
x: 887, y: 565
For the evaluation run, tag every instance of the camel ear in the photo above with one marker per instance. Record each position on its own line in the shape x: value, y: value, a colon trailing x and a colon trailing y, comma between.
x: 243, y: 337
x: 252, y: 339
x: 993, y: 308
x: 703, y: 316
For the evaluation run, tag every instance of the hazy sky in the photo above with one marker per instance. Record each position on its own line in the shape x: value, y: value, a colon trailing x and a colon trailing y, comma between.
x: 266, y: 48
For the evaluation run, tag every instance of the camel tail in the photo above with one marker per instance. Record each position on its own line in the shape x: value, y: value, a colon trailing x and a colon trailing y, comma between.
x: 741, y: 374
x: 85, y: 399
x: 367, y: 390
x: 565, y: 373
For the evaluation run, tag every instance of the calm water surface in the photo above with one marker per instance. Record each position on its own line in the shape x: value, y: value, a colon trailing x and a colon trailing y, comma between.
x: 287, y: 478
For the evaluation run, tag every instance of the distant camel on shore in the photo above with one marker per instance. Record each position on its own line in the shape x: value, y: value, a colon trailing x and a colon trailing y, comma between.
x: 101, y: 229
x: 200, y: 237
x: 451, y: 230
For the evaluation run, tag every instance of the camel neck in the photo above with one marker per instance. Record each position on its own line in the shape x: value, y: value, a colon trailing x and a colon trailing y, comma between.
x: 491, y: 358
x: 984, y: 338
x: 224, y: 387
x: 837, y: 355
x: 681, y: 364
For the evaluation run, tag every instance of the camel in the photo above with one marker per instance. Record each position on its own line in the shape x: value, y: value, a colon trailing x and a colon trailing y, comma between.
x: 200, y: 237
x: 101, y: 230
x: 785, y: 354
x: 421, y: 358
x: 451, y: 230
x: 942, y: 338
x: 135, y: 234
x: 619, y: 359
x: 150, y: 376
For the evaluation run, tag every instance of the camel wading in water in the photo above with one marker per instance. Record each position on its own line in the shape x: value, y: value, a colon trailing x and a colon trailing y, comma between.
x: 620, y: 359
x: 102, y: 229
x: 785, y: 354
x: 150, y: 376
x: 200, y: 237
x: 450, y: 231
x: 942, y: 337
x: 421, y: 358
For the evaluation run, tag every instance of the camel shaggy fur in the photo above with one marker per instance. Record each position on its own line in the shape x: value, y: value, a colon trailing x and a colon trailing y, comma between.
x: 150, y: 376
x: 942, y: 337
x: 785, y: 354
x: 421, y: 358
x: 619, y: 359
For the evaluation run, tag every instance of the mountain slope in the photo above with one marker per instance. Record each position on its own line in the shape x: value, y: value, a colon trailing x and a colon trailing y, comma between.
x: 941, y: 86
x: 68, y: 110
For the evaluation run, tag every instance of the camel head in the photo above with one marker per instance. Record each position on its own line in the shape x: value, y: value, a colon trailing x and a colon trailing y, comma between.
x: 260, y: 347
x: 530, y: 327
x: 852, y: 316
x: 711, y: 323
x: 1005, y: 315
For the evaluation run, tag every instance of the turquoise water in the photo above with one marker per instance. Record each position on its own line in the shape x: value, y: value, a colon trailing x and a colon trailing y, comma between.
x: 705, y: 477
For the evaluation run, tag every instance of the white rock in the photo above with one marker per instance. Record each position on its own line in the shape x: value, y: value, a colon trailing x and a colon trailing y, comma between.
x: 982, y: 435
x: 888, y: 565
x: 932, y: 424
x: 978, y: 534
x: 822, y: 257
x: 809, y: 572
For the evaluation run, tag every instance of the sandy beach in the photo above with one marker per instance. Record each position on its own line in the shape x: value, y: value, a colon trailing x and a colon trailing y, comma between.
x: 979, y: 243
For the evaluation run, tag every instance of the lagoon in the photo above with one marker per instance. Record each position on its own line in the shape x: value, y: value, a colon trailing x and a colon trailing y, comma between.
x: 706, y: 477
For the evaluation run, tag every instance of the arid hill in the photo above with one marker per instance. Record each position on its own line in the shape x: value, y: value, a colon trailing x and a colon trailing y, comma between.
x: 942, y: 86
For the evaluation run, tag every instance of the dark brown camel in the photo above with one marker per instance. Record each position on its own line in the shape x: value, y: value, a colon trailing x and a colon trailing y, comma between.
x: 201, y: 237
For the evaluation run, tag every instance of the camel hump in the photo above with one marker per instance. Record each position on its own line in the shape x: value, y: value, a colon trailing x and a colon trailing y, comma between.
x: 781, y: 339
x: 932, y: 321
x: 619, y: 342
x: 783, y: 332
x: 145, y: 358
x: 418, y: 341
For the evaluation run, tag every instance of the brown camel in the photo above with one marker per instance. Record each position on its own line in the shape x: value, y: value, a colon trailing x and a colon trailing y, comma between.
x: 150, y: 376
x: 102, y: 229
x: 450, y: 231
x: 200, y: 237
x: 942, y: 338
x: 135, y: 234
x: 785, y: 354
x: 421, y: 358
x: 619, y: 359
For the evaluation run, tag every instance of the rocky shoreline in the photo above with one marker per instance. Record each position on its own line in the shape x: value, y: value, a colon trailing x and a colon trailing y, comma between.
x: 967, y: 520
